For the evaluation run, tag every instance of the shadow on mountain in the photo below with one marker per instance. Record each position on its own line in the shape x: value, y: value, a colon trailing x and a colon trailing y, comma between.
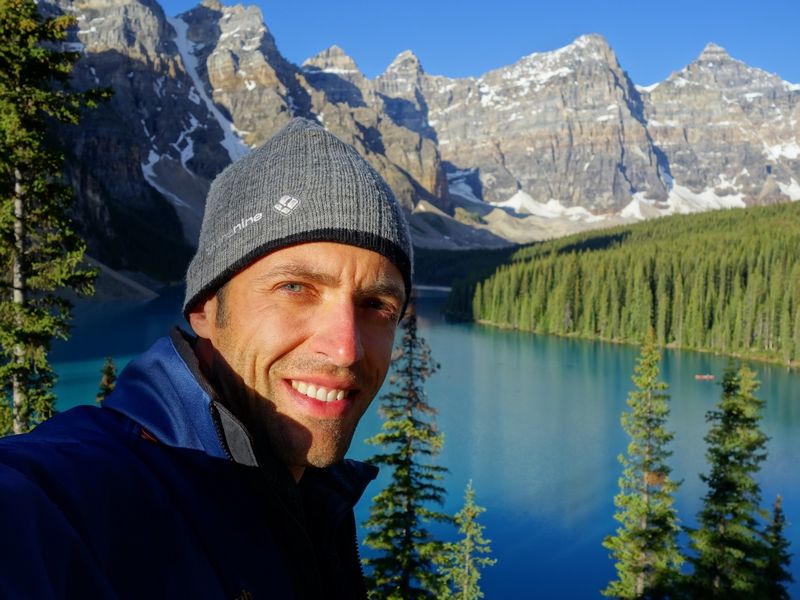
x: 405, y: 113
x: 372, y: 138
x: 336, y: 88
x: 466, y: 184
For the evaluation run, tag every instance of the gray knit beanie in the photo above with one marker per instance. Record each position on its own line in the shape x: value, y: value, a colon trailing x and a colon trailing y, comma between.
x: 302, y: 185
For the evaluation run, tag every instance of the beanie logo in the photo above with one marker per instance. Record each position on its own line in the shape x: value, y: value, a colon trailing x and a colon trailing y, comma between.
x: 286, y: 204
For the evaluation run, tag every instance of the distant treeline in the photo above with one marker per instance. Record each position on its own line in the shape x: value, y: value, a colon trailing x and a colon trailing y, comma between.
x: 443, y: 267
x: 724, y: 281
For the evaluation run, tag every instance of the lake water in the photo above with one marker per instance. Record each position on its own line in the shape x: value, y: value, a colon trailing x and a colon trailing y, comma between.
x: 532, y: 420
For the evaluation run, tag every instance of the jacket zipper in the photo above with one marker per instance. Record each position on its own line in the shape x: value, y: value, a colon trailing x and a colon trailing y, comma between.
x: 218, y: 430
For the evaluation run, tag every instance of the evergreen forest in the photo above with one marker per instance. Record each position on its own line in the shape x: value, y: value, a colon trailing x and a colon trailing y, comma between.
x: 725, y: 281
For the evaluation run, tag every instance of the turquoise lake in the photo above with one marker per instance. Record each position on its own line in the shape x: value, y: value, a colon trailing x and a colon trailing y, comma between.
x: 532, y: 420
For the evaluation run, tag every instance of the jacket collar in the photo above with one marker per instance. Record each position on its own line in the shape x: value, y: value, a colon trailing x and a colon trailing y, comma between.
x: 166, y: 393
x: 162, y: 393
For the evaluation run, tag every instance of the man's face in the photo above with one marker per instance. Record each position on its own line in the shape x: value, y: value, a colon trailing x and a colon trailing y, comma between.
x: 303, y: 345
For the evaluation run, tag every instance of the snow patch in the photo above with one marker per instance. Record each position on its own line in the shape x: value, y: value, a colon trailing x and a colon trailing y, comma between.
x: 148, y: 170
x: 334, y: 70
x: 522, y: 203
x: 194, y: 96
x: 647, y: 88
x: 639, y: 208
x: 457, y: 184
x: 669, y: 123
x: 682, y: 200
x: 231, y: 142
x: 790, y: 150
x: 227, y: 34
x: 792, y: 189
x: 185, y: 145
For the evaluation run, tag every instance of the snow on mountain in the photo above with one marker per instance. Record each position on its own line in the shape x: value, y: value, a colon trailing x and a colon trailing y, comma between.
x: 558, y: 141
x: 232, y: 143
x: 523, y: 204
x: 458, y: 185
x: 681, y: 200
x: 792, y: 190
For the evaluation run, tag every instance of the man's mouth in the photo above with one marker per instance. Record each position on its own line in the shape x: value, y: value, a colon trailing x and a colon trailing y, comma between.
x: 318, y: 392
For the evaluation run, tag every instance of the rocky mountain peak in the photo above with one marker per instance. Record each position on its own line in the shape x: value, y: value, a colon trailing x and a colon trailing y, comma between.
x: 591, y: 41
x: 405, y: 62
x: 333, y: 60
x: 715, y: 69
x: 591, y: 46
x: 543, y: 66
x: 557, y: 142
x: 713, y: 52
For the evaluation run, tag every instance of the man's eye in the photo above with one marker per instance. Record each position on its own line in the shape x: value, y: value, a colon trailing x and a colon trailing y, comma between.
x: 385, y: 308
x: 292, y: 287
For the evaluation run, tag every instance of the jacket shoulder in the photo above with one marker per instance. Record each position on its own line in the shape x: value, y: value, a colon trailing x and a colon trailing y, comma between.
x: 74, y: 439
x: 40, y: 504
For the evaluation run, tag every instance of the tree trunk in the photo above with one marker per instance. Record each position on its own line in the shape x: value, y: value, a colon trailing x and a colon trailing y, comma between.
x: 19, y: 396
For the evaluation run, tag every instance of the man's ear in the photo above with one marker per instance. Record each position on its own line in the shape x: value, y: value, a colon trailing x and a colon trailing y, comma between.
x: 203, y: 317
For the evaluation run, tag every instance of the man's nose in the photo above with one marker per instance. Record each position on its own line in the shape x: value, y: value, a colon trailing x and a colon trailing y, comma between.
x: 337, y: 334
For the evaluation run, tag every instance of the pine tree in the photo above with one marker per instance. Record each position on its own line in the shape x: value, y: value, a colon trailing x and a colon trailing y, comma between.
x: 645, y: 546
x: 463, y: 560
x: 40, y: 252
x: 776, y: 573
x: 730, y: 552
x: 405, y: 565
x: 107, y: 381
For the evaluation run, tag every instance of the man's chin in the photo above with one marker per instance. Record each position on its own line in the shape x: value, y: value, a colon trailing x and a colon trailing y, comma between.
x: 324, y: 457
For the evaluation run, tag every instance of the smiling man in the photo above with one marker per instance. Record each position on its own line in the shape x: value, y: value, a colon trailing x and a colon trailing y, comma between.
x: 216, y: 468
x: 300, y: 341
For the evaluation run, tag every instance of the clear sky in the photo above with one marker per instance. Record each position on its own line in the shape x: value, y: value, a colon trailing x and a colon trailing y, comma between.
x: 651, y: 38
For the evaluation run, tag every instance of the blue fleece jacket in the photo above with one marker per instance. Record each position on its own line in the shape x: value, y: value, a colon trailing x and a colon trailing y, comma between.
x: 148, y: 497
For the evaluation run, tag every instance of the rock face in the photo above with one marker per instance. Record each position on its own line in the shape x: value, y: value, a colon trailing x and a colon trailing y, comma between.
x: 191, y: 94
x: 564, y: 125
x: 140, y: 164
x: 245, y: 75
x: 240, y: 68
x: 557, y: 142
x: 728, y: 129
x: 569, y: 127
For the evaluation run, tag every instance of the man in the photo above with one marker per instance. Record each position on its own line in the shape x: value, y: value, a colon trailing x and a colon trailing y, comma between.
x: 215, y: 469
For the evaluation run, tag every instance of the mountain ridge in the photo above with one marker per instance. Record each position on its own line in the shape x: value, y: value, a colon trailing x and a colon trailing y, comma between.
x: 556, y: 142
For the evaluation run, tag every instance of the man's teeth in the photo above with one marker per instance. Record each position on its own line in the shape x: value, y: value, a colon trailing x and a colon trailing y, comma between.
x: 318, y: 392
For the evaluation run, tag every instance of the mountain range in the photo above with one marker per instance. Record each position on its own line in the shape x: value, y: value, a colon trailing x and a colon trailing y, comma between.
x: 555, y: 143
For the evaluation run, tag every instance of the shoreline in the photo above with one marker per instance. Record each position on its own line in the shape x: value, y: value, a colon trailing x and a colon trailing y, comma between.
x: 793, y: 366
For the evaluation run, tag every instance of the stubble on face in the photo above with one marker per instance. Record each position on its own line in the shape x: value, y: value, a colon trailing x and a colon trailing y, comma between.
x: 258, y: 357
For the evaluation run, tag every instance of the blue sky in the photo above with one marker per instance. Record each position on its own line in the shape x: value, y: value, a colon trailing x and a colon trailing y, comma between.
x: 461, y: 38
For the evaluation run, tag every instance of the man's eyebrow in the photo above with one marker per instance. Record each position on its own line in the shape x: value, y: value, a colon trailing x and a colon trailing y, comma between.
x: 384, y: 286
x: 300, y: 271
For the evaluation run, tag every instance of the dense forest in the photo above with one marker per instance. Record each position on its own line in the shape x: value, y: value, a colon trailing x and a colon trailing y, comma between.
x: 723, y: 281
x: 443, y: 267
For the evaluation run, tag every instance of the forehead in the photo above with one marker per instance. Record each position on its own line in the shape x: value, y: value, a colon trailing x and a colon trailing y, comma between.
x: 334, y: 262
